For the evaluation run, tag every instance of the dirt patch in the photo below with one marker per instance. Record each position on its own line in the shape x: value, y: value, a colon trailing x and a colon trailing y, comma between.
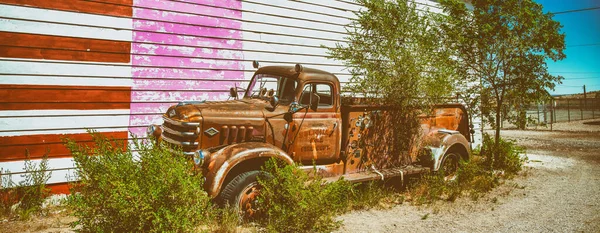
x: 556, y: 192
x: 592, y: 123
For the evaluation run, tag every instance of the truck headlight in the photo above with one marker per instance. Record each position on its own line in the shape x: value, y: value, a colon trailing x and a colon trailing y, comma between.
x: 199, y: 156
x: 150, y: 130
x: 154, y: 131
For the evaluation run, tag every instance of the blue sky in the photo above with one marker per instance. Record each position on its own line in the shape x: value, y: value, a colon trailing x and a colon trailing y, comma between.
x: 582, y: 65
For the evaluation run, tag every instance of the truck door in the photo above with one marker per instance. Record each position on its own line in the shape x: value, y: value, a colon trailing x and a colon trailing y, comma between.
x: 318, y: 133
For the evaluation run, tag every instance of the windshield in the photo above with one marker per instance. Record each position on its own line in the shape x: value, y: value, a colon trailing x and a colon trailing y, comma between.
x: 265, y: 85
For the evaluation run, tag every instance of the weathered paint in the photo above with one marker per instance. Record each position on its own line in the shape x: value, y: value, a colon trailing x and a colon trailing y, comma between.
x: 174, y: 29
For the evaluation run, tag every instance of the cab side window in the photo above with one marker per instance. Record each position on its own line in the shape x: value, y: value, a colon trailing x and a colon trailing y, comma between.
x: 325, y: 94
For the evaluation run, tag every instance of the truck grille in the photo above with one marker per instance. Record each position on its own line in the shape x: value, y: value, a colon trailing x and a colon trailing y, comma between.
x: 234, y: 134
x: 181, y: 134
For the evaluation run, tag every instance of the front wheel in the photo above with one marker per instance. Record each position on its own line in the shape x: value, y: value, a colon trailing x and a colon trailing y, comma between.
x: 242, y: 192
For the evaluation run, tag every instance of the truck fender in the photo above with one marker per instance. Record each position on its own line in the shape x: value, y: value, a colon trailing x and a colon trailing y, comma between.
x: 224, y: 160
x: 449, y: 140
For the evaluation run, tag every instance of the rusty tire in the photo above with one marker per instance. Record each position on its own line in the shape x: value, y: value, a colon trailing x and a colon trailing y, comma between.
x: 241, y: 193
x: 450, y: 165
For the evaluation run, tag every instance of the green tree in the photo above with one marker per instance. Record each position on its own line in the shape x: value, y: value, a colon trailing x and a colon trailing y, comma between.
x: 503, y: 47
x: 396, y: 56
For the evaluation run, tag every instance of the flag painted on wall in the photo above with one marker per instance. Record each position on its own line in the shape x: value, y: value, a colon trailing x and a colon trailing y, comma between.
x: 115, y: 66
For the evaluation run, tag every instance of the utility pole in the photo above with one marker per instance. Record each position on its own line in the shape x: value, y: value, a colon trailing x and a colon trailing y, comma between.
x: 584, y: 97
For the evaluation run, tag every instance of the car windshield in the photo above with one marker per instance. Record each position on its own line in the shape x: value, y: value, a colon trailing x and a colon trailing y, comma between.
x: 265, y: 85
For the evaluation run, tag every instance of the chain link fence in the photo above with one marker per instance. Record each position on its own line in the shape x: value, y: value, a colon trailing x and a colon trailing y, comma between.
x: 561, y: 110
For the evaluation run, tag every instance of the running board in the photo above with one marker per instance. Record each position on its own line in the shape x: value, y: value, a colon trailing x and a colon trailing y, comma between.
x: 373, y: 174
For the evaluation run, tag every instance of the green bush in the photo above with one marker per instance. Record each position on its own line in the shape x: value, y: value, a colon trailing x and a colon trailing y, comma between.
x: 29, y: 193
x: 294, y: 201
x: 149, y: 190
x: 506, y: 156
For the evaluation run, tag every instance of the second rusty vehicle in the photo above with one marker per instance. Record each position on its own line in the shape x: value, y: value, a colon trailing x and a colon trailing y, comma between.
x: 296, y: 115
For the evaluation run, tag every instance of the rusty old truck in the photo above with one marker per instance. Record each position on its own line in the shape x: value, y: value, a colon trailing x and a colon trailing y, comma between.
x: 296, y: 114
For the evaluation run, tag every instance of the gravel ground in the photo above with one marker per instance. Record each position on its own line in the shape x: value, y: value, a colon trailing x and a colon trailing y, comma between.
x: 558, y: 191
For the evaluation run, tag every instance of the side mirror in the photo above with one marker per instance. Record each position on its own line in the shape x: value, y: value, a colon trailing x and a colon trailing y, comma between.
x: 314, y: 102
x: 274, y: 101
x: 233, y: 93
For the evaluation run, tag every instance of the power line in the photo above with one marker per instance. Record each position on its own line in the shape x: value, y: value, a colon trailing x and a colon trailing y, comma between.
x: 582, y: 78
x: 576, y: 10
x: 568, y: 72
x: 579, y: 86
x: 583, y: 45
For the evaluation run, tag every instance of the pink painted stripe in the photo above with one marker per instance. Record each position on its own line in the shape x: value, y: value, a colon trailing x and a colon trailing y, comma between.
x: 148, y: 108
x: 149, y: 84
x: 175, y: 96
x: 182, y: 62
x: 189, y: 8
x: 177, y: 17
x: 236, y: 4
x: 178, y: 36
x: 142, y: 72
x: 161, y: 38
x: 168, y: 50
x: 182, y: 29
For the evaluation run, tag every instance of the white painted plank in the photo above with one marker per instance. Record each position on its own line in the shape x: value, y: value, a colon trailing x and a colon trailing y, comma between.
x: 30, y: 13
x: 269, y: 19
x: 253, y: 7
x: 56, y: 176
x: 64, y: 81
x: 342, y: 10
x: 341, y: 77
x: 334, y: 4
x: 291, y: 40
x: 19, y: 166
x: 264, y: 28
x: 23, y: 26
x: 41, y: 67
x: 328, y: 68
x: 273, y: 57
x: 44, y: 123
x: 60, y: 170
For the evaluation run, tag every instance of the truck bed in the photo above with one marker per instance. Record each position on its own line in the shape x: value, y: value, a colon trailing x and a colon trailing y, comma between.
x: 367, y: 134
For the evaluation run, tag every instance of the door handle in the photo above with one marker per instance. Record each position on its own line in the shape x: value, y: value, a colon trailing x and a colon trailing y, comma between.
x: 333, y: 130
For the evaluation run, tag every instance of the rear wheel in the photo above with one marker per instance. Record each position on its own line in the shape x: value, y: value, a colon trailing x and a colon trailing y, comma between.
x: 450, y: 164
x: 242, y: 192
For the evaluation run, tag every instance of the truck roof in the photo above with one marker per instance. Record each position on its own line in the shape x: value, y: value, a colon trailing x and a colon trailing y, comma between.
x: 305, y: 75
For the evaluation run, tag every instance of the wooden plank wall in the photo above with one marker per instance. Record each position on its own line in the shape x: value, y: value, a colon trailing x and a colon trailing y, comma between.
x: 116, y: 65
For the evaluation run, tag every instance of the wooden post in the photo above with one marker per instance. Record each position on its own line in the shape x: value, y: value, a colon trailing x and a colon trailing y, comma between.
x: 551, y: 118
x: 581, y: 108
x: 551, y: 113
x: 553, y: 110
x: 568, y: 111
x: 538, y: 112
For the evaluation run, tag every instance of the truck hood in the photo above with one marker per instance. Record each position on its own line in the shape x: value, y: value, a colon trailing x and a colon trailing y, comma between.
x: 244, y: 108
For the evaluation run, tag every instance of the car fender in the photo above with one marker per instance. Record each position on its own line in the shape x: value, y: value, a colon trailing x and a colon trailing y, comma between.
x: 225, y: 159
x: 449, y: 139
